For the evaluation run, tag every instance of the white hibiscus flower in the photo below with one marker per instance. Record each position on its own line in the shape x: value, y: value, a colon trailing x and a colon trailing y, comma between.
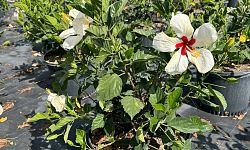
x: 75, y: 34
x: 1, y: 110
x: 58, y: 102
x: 190, y: 44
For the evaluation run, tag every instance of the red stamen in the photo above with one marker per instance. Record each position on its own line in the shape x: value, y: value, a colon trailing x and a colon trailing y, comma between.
x: 185, y: 45
x: 179, y: 45
x: 184, y: 50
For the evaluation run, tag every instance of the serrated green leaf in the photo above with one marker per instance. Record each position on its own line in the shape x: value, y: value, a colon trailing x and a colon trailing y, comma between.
x: 141, y: 56
x: 97, y: 30
x: 98, y: 122
x: 190, y: 125
x: 174, y: 98
x: 109, y: 86
x: 116, y: 8
x: 132, y: 105
x: 143, y: 32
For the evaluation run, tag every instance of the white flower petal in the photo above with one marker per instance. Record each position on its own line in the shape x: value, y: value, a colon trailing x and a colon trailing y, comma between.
x: 182, y: 25
x: 76, y: 13
x: 164, y: 43
x: 204, y: 62
x: 51, y: 96
x: 58, y: 103
x: 65, y: 34
x: 1, y: 110
x: 177, y: 64
x: 205, y: 35
x: 71, y: 42
x: 80, y: 26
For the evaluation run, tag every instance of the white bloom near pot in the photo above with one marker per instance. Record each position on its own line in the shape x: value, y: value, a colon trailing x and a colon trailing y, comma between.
x: 58, y: 102
x: 191, y: 45
x: 1, y: 110
x: 75, y: 34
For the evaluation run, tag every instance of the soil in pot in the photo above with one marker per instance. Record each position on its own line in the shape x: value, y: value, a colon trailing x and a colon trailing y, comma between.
x: 237, y: 94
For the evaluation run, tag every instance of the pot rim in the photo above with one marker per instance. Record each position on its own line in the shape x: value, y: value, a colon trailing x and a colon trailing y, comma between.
x: 231, y: 73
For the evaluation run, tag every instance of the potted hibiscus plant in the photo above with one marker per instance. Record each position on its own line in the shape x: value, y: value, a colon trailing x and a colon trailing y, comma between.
x: 230, y: 76
x: 42, y: 21
x: 134, y: 101
x: 232, y: 69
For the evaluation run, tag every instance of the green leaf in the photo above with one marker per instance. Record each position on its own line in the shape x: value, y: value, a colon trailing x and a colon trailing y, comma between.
x: 71, y: 143
x: 153, y: 99
x: 98, y: 30
x: 159, y: 107
x: 190, y: 125
x: 174, y: 98
x: 132, y: 105
x: 246, y: 53
x: 219, y: 96
x: 53, y: 136
x: 52, y: 21
x: 232, y: 80
x: 105, y: 5
x: 141, y: 56
x: 69, y: 107
x: 61, y: 123
x: 129, y: 36
x: 98, y: 122
x: 66, y: 134
x: 43, y: 116
x: 6, y: 43
x: 81, y: 138
x: 22, y: 6
x: 139, y: 135
x: 117, y: 29
x: 143, y: 32
x: 153, y: 124
x: 109, y: 86
x: 116, y: 8
x: 153, y: 102
x: 187, y: 145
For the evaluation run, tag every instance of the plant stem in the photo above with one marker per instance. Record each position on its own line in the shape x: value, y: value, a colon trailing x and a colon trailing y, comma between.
x: 166, y: 134
x: 151, y: 146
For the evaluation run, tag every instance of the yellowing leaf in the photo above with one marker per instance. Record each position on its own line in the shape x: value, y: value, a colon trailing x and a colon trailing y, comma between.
x: 3, y: 119
x: 24, y: 125
x: 3, y: 142
x: 243, y: 38
x: 8, y: 106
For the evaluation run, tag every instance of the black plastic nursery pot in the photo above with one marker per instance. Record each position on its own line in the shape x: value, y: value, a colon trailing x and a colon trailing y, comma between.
x: 237, y: 94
